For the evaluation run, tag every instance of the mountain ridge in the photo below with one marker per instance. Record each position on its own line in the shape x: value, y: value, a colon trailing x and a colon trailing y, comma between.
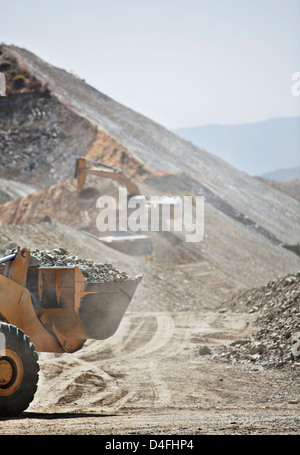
x: 255, y: 148
x: 283, y: 175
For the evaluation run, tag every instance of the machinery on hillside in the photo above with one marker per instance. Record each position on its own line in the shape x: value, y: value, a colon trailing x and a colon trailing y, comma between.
x: 49, y: 309
x: 133, y: 243
x: 86, y: 166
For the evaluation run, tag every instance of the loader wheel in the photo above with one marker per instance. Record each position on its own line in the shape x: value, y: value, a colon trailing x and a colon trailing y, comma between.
x: 18, y: 371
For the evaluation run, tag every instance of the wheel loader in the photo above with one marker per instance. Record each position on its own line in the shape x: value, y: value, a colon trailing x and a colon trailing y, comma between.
x: 49, y: 309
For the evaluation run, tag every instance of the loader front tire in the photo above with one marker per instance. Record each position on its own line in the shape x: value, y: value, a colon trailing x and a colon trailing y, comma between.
x: 18, y: 371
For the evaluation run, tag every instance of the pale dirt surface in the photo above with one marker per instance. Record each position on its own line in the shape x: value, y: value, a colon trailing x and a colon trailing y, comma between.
x: 150, y: 379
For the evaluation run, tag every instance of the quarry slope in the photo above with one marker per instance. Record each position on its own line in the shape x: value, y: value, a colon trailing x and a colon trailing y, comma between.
x: 160, y: 150
x: 175, y: 366
x: 229, y: 258
x: 246, y: 222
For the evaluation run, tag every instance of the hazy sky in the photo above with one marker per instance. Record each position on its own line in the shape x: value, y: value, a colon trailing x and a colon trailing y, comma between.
x: 181, y: 63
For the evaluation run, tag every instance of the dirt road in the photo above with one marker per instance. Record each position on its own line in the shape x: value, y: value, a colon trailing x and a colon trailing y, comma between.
x: 150, y: 378
x: 158, y: 374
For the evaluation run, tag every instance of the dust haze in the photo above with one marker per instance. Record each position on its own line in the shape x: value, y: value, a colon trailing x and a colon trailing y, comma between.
x: 205, y: 345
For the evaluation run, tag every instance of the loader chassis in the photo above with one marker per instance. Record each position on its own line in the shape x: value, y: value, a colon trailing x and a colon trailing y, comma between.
x: 49, y: 310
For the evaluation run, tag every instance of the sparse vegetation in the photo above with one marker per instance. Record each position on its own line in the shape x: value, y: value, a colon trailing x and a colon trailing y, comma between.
x: 19, y: 81
x: 18, y: 78
x: 5, y: 65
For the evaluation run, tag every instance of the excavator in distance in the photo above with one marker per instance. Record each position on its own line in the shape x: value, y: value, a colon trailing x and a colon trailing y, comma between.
x: 86, y: 166
x: 127, y: 242
x: 132, y: 243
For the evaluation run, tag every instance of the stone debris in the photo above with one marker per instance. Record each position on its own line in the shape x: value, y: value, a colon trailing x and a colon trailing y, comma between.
x: 60, y: 257
x: 277, y: 342
x: 204, y: 350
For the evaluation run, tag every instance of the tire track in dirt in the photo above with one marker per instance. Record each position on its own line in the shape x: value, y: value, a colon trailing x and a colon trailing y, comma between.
x: 162, y: 391
x: 144, y: 336
x: 138, y: 335
x: 138, y: 338
x: 160, y: 338
x: 169, y: 337
x: 126, y: 370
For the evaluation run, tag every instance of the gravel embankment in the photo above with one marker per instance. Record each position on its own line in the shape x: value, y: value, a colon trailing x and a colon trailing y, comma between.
x: 277, y: 342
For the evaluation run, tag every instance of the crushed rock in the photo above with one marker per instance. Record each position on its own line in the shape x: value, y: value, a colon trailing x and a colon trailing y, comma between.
x: 277, y: 342
x: 60, y: 257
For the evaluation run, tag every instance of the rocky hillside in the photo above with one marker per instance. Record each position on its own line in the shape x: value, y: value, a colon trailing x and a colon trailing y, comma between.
x: 160, y: 149
x: 291, y: 187
x: 277, y: 341
x: 39, y: 136
x: 43, y: 131
x: 10, y: 189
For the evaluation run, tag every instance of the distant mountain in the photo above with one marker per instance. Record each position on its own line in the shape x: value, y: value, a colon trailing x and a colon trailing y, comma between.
x: 283, y: 175
x: 255, y: 148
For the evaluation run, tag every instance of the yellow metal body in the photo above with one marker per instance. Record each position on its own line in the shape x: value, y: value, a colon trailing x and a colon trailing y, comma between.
x: 57, y: 308
x: 85, y: 166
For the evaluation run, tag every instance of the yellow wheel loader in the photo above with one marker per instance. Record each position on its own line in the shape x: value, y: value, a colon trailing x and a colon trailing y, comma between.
x: 49, y: 309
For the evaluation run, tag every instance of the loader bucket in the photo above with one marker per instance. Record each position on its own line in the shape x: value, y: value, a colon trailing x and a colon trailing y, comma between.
x: 74, y: 309
x: 103, y: 306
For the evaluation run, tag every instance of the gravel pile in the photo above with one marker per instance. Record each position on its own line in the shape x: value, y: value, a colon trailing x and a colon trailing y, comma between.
x: 60, y: 257
x: 277, y: 343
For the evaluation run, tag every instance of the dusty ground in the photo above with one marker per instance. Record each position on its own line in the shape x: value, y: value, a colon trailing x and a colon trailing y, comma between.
x: 149, y: 378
